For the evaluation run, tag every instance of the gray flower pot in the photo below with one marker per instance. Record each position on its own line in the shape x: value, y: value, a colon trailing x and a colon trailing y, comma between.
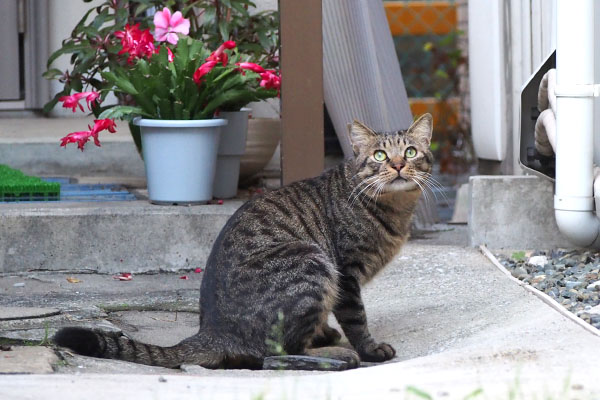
x: 231, y: 149
x: 180, y: 158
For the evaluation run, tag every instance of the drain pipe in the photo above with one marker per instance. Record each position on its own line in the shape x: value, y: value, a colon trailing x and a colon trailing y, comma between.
x: 575, y: 91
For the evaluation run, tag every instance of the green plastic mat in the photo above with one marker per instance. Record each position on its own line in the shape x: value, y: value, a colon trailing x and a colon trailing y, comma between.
x: 16, y: 186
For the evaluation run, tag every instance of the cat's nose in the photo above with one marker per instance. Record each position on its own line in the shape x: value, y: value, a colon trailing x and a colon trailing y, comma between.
x: 398, y: 166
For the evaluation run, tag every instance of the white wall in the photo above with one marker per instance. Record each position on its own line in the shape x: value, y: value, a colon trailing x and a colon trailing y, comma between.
x: 62, y: 18
x: 262, y: 5
x: 520, y: 38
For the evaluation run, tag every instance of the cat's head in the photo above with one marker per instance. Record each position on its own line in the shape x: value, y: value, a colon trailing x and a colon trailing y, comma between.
x: 393, y: 161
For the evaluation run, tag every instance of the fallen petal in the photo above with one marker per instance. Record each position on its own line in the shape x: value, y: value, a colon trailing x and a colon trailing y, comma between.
x: 184, y: 277
x: 125, y: 276
x: 70, y: 279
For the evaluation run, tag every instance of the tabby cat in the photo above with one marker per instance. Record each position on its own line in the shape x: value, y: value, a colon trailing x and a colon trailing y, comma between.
x: 288, y: 258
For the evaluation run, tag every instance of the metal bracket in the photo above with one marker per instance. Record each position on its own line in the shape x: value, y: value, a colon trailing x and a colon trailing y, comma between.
x: 589, y: 90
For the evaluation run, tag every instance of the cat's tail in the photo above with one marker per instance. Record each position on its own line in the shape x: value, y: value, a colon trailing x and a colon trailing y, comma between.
x: 96, y: 343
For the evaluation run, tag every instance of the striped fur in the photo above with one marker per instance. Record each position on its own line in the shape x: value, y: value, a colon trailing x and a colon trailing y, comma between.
x: 288, y: 258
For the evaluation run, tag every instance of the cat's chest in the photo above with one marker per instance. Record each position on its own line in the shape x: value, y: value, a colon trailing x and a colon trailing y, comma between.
x: 374, y: 245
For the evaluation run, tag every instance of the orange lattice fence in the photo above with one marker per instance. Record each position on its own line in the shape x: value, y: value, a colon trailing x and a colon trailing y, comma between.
x: 425, y: 35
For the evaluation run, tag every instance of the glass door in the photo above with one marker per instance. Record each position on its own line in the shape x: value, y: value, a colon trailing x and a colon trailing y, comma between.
x: 11, y: 50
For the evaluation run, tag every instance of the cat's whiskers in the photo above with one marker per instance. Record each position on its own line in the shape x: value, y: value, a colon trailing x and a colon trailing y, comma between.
x: 379, y: 190
x: 375, y: 179
x: 364, y: 181
x: 380, y: 184
x: 423, y: 191
x: 432, y: 185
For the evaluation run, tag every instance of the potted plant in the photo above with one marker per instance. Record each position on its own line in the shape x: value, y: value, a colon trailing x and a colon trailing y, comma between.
x: 233, y: 139
x: 167, y: 79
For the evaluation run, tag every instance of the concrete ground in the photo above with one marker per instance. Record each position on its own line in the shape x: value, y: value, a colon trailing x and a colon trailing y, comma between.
x: 459, y: 325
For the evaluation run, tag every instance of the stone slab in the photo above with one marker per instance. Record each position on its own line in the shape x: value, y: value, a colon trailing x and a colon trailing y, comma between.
x: 304, y: 363
x: 513, y: 212
x: 458, y: 325
x: 112, y: 159
x: 27, y: 360
x: 12, y: 313
x: 112, y: 237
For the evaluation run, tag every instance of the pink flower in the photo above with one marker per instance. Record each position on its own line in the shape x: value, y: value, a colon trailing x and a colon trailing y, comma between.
x: 72, y: 101
x: 203, y: 70
x: 219, y: 55
x: 82, y: 137
x: 251, y: 66
x: 270, y: 80
x: 167, y: 26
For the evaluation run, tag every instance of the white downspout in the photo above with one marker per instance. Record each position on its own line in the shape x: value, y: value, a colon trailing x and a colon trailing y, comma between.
x: 575, y: 90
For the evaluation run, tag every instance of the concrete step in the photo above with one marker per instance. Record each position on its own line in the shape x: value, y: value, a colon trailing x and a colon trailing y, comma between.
x: 32, y: 145
x: 108, y: 237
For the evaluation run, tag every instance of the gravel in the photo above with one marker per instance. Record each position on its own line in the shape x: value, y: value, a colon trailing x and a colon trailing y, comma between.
x: 572, y: 278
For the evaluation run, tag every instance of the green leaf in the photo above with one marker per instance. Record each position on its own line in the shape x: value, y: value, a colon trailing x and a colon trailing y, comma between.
x: 52, y: 73
x: 239, y: 7
x: 163, y: 56
x: 222, y: 98
x: 518, y: 256
x: 143, y: 67
x: 236, y: 80
x: 197, y: 51
x: 122, y: 111
x: 50, y: 105
x: 141, y: 9
x: 165, y: 109
x: 473, y: 394
x: 122, y: 83
x: 81, y: 22
x: 182, y: 54
x: 224, y: 30
x: 178, y: 110
x: 264, y: 40
x: 418, y: 392
x: 66, y: 49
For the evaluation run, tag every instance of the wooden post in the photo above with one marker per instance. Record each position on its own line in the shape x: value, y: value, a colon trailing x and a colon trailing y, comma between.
x: 302, y: 143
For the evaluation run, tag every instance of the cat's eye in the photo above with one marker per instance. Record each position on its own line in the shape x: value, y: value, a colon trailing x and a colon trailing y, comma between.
x: 380, y: 155
x: 410, y: 152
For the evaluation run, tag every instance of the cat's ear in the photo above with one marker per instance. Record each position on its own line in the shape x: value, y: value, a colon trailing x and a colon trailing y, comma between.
x: 422, y: 128
x: 360, y: 136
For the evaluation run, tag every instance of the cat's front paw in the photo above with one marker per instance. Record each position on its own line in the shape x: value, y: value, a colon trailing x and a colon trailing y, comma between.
x: 376, y: 352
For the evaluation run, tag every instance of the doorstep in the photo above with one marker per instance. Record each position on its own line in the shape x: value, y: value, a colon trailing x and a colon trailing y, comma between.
x: 108, y: 237
x: 32, y: 145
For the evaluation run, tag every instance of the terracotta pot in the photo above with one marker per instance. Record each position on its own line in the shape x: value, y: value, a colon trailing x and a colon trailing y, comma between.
x: 263, y: 137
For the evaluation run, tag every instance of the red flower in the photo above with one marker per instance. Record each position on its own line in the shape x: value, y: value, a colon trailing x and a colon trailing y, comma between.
x: 203, y: 70
x: 82, y: 137
x: 270, y: 80
x: 136, y: 42
x: 72, y: 101
x: 251, y: 66
x: 219, y: 55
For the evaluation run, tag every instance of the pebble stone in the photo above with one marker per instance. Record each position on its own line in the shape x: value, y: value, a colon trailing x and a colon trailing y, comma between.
x: 572, y: 278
